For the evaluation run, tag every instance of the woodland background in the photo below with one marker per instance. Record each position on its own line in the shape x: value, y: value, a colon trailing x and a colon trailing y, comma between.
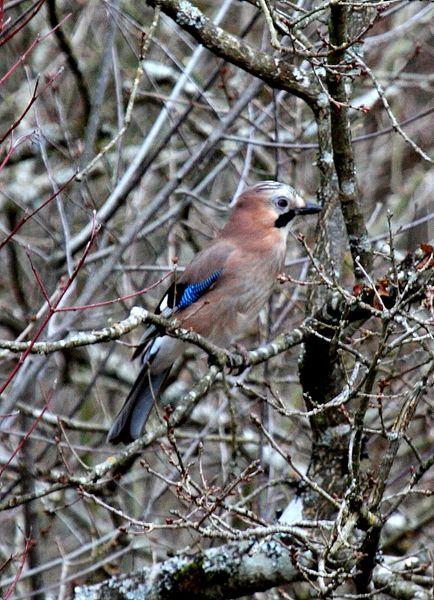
x: 306, y: 473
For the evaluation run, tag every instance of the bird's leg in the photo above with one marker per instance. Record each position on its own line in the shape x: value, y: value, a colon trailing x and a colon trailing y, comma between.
x: 236, y: 361
x: 241, y: 350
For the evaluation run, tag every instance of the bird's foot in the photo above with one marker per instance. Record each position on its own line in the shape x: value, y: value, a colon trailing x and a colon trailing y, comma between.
x: 234, y: 359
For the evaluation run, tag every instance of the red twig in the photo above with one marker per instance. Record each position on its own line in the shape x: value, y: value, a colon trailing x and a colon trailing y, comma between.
x: 30, y: 17
x: 26, y: 437
x: 2, y: 14
x: 29, y: 543
x: 52, y: 308
x: 35, y: 42
x: 33, y: 99
x: 33, y: 213
x: 8, y: 153
x: 119, y: 299
x: 38, y: 279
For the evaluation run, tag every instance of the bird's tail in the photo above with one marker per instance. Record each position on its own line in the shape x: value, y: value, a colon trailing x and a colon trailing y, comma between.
x: 132, y: 417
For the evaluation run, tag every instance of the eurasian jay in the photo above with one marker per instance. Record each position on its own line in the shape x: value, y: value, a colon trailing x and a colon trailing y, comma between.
x: 219, y: 294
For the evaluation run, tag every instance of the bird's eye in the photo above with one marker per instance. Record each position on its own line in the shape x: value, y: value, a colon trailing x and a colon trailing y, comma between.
x: 282, y: 202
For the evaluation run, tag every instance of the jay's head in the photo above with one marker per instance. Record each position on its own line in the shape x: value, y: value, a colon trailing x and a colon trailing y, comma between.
x: 272, y: 204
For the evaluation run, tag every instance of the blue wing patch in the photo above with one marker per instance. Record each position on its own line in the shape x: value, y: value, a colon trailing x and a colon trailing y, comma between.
x: 194, y: 291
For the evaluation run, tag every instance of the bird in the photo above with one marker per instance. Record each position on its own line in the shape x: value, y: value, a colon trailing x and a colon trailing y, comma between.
x: 218, y: 295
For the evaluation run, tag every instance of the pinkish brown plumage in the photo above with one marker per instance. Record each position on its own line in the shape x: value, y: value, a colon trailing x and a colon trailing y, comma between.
x: 219, y: 294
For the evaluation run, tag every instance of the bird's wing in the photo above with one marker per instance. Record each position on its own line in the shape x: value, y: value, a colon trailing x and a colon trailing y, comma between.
x: 205, y: 272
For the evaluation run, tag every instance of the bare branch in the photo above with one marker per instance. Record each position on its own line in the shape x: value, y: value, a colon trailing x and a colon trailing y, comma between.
x: 273, y: 71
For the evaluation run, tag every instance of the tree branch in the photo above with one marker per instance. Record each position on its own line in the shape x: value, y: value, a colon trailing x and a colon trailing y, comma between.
x: 271, y: 70
x: 233, y: 570
x: 342, y: 146
x: 230, y: 571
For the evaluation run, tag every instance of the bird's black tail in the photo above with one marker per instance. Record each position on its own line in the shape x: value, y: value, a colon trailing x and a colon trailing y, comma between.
x: 132, y: 417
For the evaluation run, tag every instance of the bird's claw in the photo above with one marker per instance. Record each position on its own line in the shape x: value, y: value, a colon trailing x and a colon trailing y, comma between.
x: 234, y: 359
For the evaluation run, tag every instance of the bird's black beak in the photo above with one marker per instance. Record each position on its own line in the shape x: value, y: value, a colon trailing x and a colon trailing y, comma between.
x: 310, y: 208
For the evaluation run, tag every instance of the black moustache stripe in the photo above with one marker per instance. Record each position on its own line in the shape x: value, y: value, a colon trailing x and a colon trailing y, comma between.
x: 283, y: 220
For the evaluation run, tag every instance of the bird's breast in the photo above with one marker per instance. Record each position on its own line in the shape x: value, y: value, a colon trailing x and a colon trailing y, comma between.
x: 246, y: 282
